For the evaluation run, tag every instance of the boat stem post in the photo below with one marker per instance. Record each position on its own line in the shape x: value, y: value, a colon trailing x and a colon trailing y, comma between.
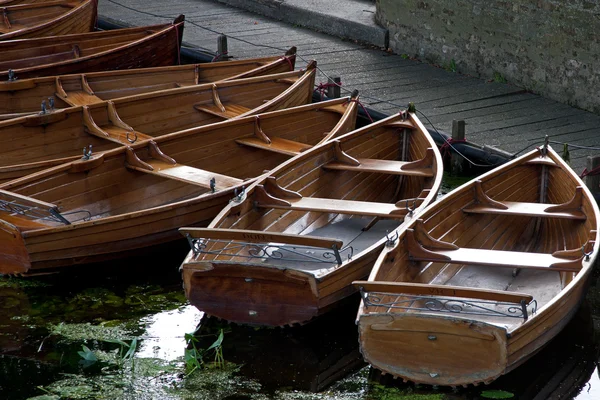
x: 592, y: 181
x: 457, y: 163
x: 333, y: 89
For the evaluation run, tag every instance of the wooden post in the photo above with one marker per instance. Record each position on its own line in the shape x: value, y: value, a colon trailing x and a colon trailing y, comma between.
x: 222, y: 54
x: 333, y: 92
x: 593, y: 181
x: 457, y: 162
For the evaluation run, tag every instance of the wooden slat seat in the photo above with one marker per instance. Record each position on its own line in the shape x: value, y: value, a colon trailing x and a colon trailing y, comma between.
x: 381, y: 166
x: 120, y: 135
x: 277, y: 145
x: 231, y: 110
x: 525, y: 209
x: 423, y: 289
x: 422, y: 247
x: 80, y: 98
x: 253, y: 236
x: 344, y: 162
x: 30, y: 208
x: 337, y: 206
x: 189, y: 174
x: 485, y: 205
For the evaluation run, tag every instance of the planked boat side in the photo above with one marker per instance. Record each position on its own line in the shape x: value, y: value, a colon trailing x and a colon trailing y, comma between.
x: 49, y: 18
x: 111, y: 203
x: 94, y: 51
x: 289, y: 248
x: 492, y: 272
x: 35, y: 142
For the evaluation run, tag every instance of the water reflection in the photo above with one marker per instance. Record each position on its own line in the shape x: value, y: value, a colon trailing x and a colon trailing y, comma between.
x: 308, y: 357
x: 149, y: 304
x: 164, y: 336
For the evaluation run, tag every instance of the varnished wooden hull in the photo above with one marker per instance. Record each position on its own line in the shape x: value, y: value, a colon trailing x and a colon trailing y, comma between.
x: 131, y: 198
x: 94, y: 51
x: 483, y: 279
x: 51, y: 18
x: 35, y: 142
x: 240, y: 274
x: 24, y: 96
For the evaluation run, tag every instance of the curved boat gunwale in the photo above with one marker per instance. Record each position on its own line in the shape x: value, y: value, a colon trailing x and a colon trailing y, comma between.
x: 567, y: 296
x: 142, y: 144
x: 167, y: 28
x: 14, y: 35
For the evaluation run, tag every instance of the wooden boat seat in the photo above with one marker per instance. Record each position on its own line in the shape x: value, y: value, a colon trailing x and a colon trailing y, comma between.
x: 76, y: 97
x: 485, y: 205
x: 165, y: 166
x: 423, y: 167
x: 276, y: 145
x: 271, y: 195
x: 118, y: 131
x: 422, y: 247
x: 423, y: 289
x: 30, y: 208
x: 230, y: 111
x: 219, y: 109
x: 253, y: 236
x: 260, y: 140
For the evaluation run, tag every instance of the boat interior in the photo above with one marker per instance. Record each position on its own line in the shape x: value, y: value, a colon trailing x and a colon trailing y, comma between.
x: 62, y: 134
x: 23, y: 97
x: 501, y: 248
x: 17, y: 17
x: 326, y: 208
x: 173, y: 168
x: 18, y: 55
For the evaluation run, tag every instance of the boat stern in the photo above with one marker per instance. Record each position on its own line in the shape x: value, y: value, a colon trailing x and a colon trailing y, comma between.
x: 251, y: 294
x: 14, y: 258
x: 434, y: 350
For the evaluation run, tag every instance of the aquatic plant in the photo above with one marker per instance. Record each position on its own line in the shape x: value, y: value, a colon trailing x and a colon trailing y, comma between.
x: 194, y: 356
x: 496, y: 394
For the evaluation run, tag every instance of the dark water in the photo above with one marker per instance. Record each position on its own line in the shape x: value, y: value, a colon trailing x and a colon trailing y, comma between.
x: 46, y: 321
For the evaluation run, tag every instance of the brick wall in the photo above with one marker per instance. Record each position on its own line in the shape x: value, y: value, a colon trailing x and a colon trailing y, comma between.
x: 551, y: 47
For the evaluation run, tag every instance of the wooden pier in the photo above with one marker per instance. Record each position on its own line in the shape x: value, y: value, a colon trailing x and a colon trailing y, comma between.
x: 497, y: 114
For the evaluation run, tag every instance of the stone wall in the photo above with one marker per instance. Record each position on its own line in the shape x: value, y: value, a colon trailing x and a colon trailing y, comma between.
x: 551, y: 47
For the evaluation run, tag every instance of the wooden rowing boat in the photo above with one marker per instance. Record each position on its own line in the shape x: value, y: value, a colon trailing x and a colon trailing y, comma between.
x: 107, y: 204
x: 290, y: 248
x: 35, y: 142
x: 49, y: 18
x: 139, y: 47
x: 25, y: 96
x: 484, y: 278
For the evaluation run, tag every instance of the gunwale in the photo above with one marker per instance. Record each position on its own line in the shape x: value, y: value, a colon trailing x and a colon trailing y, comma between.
x: 306, y: 292
x: 49, y: 245
x: 80, y: 16
x: 516, y: 341
x: 22, y: 96
x: 58, y: 135
x: 166, y: 36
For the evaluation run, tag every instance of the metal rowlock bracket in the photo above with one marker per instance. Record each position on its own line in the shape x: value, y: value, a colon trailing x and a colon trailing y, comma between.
x: 87, y: 153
